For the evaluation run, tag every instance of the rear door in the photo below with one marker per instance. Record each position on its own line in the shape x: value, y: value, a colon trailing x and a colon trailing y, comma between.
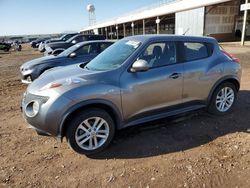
x: 200, y: 70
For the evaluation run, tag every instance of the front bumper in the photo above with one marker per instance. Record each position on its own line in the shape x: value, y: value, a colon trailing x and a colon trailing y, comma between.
x: 51, y: 112
x: 48, y: 50
x: 27, y: 76
x: 41, y: 47
x: 26, y: 81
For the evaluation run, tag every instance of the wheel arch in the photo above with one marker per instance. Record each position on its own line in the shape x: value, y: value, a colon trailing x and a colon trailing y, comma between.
x: 108, y: 106
x: 231, y: 79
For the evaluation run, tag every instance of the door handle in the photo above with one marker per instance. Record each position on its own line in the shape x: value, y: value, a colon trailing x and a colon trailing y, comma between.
x: 175, y: 75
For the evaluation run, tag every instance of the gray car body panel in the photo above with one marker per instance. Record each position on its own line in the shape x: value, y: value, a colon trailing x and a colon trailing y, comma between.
x: 135, y: 97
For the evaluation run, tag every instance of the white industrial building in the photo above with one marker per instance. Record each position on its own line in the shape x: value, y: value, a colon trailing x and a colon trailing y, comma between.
x: 221, y: 19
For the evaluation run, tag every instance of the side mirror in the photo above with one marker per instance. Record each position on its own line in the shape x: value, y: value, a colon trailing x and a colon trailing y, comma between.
x: 74, y: 42
x: 140, y: 66
x: 72, y: 55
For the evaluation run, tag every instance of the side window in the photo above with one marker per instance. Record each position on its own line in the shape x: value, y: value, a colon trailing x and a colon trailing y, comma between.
x: 87, y: 49
x: 103, y: 46
x: 194, y: 51
x: 160, y: 54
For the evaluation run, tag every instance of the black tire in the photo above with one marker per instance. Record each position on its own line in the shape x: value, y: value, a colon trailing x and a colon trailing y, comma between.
x: 212, y: 105
x: 78, y: 119
x: 43, y: 50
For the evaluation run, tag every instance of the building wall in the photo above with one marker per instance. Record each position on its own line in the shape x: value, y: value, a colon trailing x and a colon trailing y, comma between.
x: 191, y: 22
x: 220, y: 20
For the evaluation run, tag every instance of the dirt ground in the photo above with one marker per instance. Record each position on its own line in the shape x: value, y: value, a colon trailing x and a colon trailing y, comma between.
x: 195, y: 150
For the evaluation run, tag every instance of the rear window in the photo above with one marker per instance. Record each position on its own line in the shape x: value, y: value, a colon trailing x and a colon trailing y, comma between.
x: 194, y: 51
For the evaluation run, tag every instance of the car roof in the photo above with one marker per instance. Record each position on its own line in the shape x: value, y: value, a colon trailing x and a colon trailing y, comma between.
x: 145, y: 38
x: 95, y: 41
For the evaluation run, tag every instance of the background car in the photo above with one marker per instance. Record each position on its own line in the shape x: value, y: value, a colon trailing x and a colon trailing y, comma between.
x: 136, y: 80
x: 81, y: 52
x: 16, y: 46
x: 65, y: 37
x: 5, y: 46
x: 70, y: 42
x: 35, y: 43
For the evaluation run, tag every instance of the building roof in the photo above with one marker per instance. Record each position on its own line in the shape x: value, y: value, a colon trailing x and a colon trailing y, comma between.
x: 171, y: 37
x: 159, y: 9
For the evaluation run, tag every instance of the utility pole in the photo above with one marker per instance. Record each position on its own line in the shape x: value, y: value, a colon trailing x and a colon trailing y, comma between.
x: 244, y: 26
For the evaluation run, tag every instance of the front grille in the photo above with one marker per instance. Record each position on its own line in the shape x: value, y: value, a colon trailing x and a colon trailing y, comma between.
x: 28, y: 97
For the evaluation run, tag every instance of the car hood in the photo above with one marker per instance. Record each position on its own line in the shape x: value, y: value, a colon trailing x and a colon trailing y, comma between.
x: 55, y: 45
x: 58, y: 74
x: 40, y: 61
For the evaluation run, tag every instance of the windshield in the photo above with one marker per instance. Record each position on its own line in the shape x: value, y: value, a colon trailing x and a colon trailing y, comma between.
x: 113, y: 56
x: 62, y: 37
x: 69, y: 50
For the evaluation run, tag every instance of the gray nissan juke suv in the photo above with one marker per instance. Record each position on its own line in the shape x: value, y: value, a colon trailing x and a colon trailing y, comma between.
x: 136, y: 80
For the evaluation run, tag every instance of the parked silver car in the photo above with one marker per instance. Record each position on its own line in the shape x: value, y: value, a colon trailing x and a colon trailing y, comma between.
x: 136, y: 80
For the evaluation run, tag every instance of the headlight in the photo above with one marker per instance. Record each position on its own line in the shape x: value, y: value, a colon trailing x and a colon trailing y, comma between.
x: 64, y: 82
x: 25, y: 68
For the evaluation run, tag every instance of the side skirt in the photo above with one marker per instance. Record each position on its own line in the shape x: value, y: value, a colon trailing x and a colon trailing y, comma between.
x: 161, y: 115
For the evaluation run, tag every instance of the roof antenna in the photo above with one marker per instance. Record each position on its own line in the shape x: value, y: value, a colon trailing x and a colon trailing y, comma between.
x: 185, y: 31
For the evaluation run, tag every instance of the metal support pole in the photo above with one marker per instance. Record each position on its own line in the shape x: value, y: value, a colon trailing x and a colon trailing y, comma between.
x: 157, y: 21
x: 124, y: 30
x: 106, y: 30
x: 111, y: 32
x: 244, y: 27
x: 117, y: 32
x: 132, y: 27
x: 143, y: 27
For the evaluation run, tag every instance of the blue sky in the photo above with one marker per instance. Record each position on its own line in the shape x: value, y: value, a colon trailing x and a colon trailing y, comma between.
x: 19, y: 17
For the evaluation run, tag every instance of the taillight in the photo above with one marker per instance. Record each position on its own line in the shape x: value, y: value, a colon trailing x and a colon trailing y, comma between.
x: 236, y: 60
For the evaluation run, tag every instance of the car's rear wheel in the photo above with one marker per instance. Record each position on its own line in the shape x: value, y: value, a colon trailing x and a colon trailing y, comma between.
x: 223, y: 99
x: 90, y: 131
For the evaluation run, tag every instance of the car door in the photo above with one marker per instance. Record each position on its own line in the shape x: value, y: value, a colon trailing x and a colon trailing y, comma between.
x: 200, y: 71
x: 156, y: 89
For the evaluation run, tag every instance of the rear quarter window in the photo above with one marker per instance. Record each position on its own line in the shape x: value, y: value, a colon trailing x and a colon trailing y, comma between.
x: 195, y: 50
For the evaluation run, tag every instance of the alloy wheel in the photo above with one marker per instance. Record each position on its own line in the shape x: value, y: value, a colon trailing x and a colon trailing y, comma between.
x: 92, y: 133
x: 225, y: 99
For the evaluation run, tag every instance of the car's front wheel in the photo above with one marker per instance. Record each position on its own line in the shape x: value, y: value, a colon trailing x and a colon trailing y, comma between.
x: 90, y: 131
x: 223, y: 99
